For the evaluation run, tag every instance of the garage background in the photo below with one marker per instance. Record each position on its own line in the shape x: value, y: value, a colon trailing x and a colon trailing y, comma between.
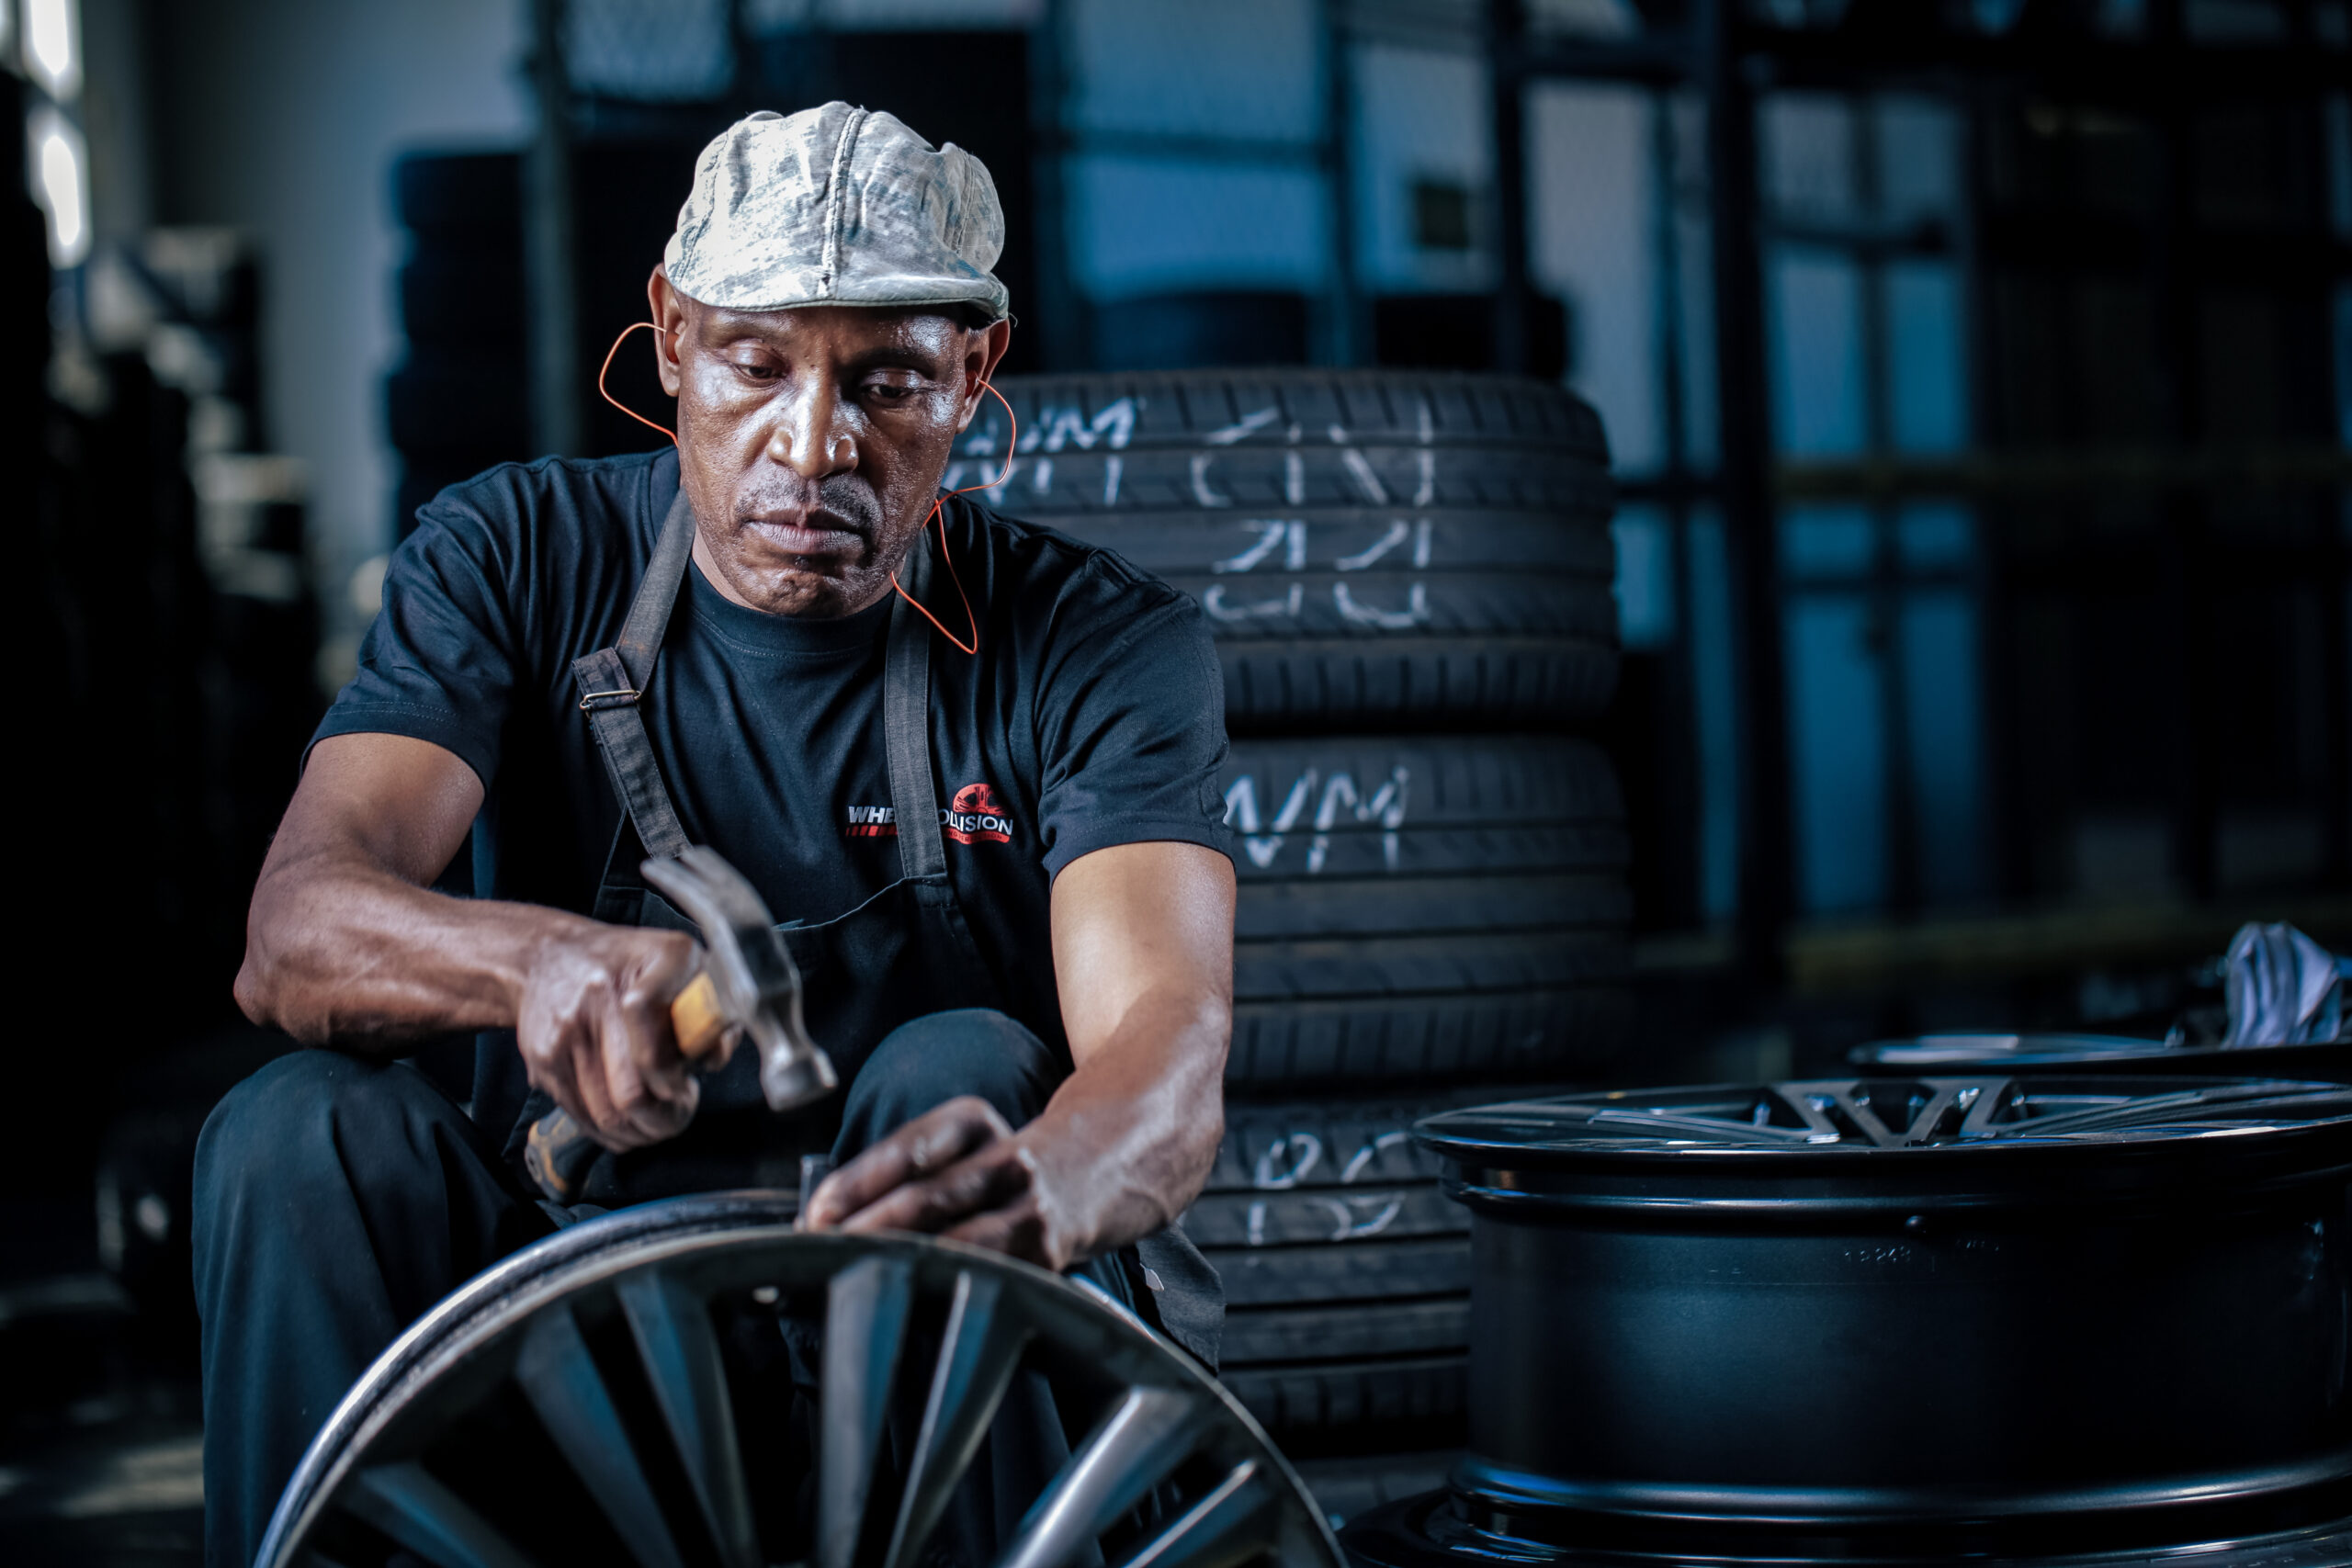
x: 1908, y: 589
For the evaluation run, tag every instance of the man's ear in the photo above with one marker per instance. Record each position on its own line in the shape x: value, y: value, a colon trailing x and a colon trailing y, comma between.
x: 983, y: 352
x: 669, y: 308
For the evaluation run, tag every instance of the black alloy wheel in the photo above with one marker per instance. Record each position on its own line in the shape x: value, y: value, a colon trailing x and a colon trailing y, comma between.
x: 654, y: 1387
x: 1900, y: 1320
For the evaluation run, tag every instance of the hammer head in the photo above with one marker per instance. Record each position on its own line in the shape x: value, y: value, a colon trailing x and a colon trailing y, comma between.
x: 757, y: 984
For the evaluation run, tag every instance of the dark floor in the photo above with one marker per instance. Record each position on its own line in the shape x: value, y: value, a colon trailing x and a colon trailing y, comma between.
x: 100, y: 1431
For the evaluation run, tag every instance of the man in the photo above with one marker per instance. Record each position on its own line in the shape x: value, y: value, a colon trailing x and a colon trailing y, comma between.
x: 971, y: 764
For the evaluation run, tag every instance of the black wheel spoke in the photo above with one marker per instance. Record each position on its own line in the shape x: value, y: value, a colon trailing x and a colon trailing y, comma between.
x: 428, y: 1519
x: 977, y: 1360
x: 672, y: 1325
x: 866, y: 1310
x: 1150, y: 1432
x: 1230, y: 1527
x: 562, y: 1382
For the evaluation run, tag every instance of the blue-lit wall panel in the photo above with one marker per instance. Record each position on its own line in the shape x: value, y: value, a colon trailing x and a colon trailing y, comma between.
x: 1816, y: 343
x: 1935, y: 537
x: 1144, y: 225
x: 1645, y: 578
x: 1225, y: 68
x: 1927, y: 390
x: 1838, y: 750
x: 1939, y: 667
x: 1826, y: 542
x: 1421, y: 115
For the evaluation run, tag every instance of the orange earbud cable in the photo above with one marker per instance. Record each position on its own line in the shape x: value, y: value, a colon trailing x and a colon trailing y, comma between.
x: 1012, y: 438
x: 655, y: 328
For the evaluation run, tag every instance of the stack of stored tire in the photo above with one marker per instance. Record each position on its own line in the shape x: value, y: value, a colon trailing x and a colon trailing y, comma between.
x: 1408, y: 578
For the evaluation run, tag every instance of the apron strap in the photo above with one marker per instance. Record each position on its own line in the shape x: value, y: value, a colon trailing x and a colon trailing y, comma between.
x: 906, y: 723
x: 612, y: 680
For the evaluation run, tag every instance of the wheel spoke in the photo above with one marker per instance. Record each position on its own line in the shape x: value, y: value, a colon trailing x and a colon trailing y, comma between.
x: 1230, y: 1527
x: 672, y: 1325
x: 675, y: 1431
x: 980, y: 1353
x: 1148, y: 1434
x: 865, y: 1327
x: 561, y: 1381
x: 422, y: 1514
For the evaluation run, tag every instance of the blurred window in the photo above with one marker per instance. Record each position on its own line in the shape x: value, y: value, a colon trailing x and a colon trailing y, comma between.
x: 648, y: 50
x: 61, y: 184
x: 53, y: 46
x: 1230, y: 69
x: 1645, y: 578
x: 1837, y: 746
x: 1152, y: 224
x: 1816, y: 346
x: 1594, y: 242
x: 1420, y: 121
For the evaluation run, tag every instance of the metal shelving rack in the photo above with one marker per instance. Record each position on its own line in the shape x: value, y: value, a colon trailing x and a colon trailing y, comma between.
x: 1728, y: 54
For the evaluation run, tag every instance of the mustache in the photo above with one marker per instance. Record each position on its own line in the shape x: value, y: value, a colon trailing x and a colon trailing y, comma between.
x: 843, y: 496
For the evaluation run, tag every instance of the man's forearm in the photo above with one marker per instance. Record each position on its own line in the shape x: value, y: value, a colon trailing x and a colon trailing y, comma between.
x: 1131, y: 1136
x: 342, y: 952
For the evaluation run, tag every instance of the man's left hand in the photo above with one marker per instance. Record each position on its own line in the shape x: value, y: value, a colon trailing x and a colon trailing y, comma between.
x: 958, y: 1171
x: 1143, y: 958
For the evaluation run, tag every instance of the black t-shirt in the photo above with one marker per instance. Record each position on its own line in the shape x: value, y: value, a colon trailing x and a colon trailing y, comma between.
x: 1092, y: 714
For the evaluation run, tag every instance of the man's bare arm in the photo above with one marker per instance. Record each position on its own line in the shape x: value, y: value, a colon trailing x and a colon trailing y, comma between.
x: 347, y: 946
x: 1143, y: 954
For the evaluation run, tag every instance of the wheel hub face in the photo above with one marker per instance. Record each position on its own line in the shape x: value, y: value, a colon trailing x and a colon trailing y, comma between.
x: 693, y: 1382
x: 1912, y: 1316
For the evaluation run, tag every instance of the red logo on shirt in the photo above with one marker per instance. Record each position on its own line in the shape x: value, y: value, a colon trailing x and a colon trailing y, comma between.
x: 974, y: 816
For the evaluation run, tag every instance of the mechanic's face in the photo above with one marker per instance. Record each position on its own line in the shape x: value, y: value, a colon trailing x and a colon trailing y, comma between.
x: 811, y: 441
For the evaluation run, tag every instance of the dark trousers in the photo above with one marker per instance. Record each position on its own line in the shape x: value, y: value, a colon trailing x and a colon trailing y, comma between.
x: 336, y: 1199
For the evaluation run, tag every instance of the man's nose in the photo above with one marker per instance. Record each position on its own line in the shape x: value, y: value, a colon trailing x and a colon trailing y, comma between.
x: 808, y: 435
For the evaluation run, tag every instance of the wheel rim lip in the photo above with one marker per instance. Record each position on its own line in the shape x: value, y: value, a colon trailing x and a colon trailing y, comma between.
x: 1868, y: 1508
x: 1569, y: 1131
x: 1399, y: 1534
x: 2091, y: 1052
x: 1526, y: 1161
x: 502, y: 1296
x: 420, y: 1351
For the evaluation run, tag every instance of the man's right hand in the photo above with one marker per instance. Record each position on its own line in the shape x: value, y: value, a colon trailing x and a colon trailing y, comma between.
x: 349, y: 946
x: 595, y: 1031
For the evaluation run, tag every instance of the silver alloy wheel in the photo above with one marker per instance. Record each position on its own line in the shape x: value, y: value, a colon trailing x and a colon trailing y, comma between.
x: 620, y: 1337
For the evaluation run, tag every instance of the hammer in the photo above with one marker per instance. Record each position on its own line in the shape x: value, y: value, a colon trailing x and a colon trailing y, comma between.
x: 749, y: 985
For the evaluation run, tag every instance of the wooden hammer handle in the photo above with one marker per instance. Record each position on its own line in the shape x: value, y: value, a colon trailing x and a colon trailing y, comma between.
x: 559, y: 1151
x: 694, y: 1015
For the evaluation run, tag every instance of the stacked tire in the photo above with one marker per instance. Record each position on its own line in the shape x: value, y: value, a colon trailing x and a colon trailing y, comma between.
x: 1408, y: 578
